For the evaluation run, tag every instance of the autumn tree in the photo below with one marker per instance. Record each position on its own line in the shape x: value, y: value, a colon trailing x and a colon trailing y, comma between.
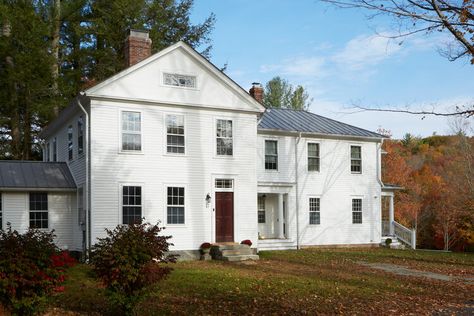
x: 279, y: 93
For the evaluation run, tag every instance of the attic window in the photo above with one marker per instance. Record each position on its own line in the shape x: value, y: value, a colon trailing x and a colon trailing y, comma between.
x: 178, y: 80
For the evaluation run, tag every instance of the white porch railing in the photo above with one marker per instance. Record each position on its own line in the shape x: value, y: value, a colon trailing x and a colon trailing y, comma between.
x: 406, y: 235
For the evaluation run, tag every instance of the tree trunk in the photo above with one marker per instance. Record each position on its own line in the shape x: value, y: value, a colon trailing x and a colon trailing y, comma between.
x: 56, y: 28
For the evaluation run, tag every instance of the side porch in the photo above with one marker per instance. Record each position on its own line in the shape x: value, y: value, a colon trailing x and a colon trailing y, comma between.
x: 276, y: 217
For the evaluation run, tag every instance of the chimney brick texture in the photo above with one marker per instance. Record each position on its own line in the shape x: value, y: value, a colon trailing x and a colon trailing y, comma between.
x: 257, y: 92
x: 137, y: 47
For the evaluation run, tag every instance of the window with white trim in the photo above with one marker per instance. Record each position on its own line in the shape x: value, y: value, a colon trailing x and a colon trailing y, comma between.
x: 177, y: 80
x: 175, y: 134
x: 131, y: 131
x: 39, y: 210
x: 55, y: 149
x: 356, y: 159
x: 69, y: 143
x: 356, y: 211
x: 313, y: 157
x: 261, y: 209
x: 224, y: 140
x: 271, y: 155
x: 131, y: 204
x: 80, y: 135
x: 175, y: 205
x: 314, y: 211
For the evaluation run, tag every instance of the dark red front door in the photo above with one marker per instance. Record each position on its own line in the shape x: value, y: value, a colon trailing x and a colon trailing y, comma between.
x: 224, y: 216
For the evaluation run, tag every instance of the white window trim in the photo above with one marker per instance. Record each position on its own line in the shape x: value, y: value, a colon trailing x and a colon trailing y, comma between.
x: 277, y: 140
x: 307, y: 156
x: 361, y: 197
x: 165, y: 134
x: 142, y: 134
x: 361, y: 158
x: 309, y: 210
x: 179, y: 72
x: 165, y: 199
x: 215, y: 137
x: 72, y: 141
x: 50, y: 227
x: 120, y: 190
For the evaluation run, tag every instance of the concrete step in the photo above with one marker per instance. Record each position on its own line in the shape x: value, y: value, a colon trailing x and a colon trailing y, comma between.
x: 234, y: 258
x: 230, y: 246
x: 231, y: 252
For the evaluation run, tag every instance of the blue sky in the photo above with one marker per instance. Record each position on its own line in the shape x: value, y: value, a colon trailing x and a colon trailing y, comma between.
x: 341, y: 61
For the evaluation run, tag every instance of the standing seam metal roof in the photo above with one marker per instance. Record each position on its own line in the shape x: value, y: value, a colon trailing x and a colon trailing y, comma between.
x: 17, y: 174
x: 304, y: 121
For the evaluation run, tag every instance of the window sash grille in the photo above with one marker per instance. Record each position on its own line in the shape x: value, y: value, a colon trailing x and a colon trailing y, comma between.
x: 38, y: 210
x: 356, y: 159
x: 261, y: 210
x: 177, y: 80
x: 313, y: 157
x: 80, y: 135
x: 175, y: 134
x: 175, y: 205
x: 356, y: 211
x: 131, y: 131
x: 131, y: 205
x: 271, y: 155
x: 70, y: 142
x: 314, y: 211
x: 224, y: 138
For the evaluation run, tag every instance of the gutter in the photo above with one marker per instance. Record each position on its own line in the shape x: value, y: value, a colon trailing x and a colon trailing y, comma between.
x: 297, y: 141
x: 86, y: 191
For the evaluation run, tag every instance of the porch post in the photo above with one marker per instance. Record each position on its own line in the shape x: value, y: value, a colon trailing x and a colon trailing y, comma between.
x: 391, y: 217
x: 280, y: 216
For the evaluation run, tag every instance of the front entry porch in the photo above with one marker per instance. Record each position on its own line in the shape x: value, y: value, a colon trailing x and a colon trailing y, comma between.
x: 272, y: 222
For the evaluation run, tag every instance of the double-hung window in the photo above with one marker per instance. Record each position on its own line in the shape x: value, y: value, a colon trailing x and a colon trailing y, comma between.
x: 175, y: 205
x: 224, y: 140
x: 261, y: 209
x: 69, y: 142
x: 314, y: 211
x: 131, y: 204
x: 131, y: 131
x: 55, y: 149
x: 48, y: 152
x: 271, y: 155
x: 175, y: 134
x: 80, y: 135
x: 356, y: 211
x: 356, y: 159
x: 313, y: 157
x: 39, y: 210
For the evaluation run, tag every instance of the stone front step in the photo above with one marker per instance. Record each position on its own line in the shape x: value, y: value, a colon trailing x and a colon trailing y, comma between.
x: 232, y: 252
x: 395, y: 244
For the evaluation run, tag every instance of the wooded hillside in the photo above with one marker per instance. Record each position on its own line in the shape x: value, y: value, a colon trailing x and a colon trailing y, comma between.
x: 437, y: 174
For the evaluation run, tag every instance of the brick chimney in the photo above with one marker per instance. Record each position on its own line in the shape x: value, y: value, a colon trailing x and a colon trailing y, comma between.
x: 257, y: 92
x: 137, y: 47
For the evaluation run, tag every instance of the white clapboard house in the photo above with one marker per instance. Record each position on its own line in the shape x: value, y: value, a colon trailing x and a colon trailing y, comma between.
x: 173, y: 139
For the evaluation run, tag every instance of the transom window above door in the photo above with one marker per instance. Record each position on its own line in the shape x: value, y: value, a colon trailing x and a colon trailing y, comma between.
x: 224, y: 183
x: 175, y: 134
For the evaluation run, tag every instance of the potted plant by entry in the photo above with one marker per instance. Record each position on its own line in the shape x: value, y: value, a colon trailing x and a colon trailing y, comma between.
x: 247, y: 242
x: 205, y: 249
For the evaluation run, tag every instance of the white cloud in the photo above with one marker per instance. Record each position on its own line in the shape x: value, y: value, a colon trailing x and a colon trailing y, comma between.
x: 298, y: 66
x: 364, y: 52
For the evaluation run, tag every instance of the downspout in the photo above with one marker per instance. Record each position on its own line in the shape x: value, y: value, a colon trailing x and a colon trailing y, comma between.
x: 297, y: 141
x: 86, y: 191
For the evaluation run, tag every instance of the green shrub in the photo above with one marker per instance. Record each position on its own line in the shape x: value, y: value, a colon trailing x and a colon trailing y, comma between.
x: 127, y: 260
x: 31, y: 267
x: 388, y: 242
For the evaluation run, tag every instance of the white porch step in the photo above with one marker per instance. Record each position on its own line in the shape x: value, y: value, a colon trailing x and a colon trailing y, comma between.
x: 233, y: 252
x: 395, y: 244
x: 276, y: 244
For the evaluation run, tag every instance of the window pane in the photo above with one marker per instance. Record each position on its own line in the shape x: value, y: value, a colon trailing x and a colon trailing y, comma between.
x: 224, y: 146
x: 271, y: 147
x: 357, y: 211
x: 131, y: 142
x: 69, y: 143
x: 313, y: 164
x: 131, y: 204
x: 175, y: 215
x: 355, y: 152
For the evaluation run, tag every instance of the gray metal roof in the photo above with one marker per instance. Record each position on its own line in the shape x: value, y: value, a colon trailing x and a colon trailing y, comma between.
x: 307, y: 122
x: 17, y: 174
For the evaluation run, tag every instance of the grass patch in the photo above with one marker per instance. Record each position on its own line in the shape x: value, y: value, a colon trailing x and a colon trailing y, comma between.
x: 291, y: 282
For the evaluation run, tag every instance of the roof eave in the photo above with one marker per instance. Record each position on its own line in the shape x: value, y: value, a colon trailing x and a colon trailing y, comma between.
x: 322, y: 135
x: 36, y: 189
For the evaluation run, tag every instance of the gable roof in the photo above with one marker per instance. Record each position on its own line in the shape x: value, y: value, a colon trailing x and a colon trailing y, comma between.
x: 35, y: 175
x: 307, y: 122
x: 197, y: 57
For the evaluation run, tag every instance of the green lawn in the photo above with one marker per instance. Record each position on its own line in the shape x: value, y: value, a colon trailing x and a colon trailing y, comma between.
x: 289, y: 282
